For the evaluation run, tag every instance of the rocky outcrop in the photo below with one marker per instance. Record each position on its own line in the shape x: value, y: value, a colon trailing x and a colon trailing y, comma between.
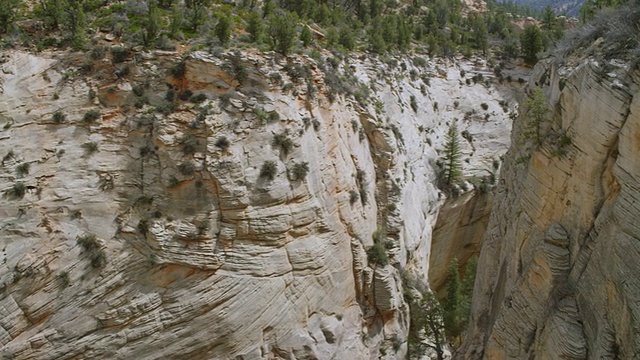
x: 152, y: 230
x: 557, y: 275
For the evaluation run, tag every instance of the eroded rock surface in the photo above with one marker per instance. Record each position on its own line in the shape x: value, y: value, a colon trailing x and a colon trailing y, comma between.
x: 557, y: 276
x: 142, y: 234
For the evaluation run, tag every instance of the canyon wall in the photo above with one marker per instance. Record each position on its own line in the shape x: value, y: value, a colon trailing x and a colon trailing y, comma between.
x: 233, y: 228
x: 558, y: 272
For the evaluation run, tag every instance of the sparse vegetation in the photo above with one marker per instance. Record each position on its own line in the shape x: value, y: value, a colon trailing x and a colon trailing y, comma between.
x: 22, y: 170
x: 353, y: 197
x: 377, y: 254
x: 186, y: 168
x: 452, y: 166
x: 362, y: 186
x: 222, y: 143
x: 91, y: 116
x: 283, y: 142
x: 198, y: 98
x: 90, y: 147
x: 119, y: 54
x: 268, y: 170
x: 189, y: 144
x: 92, y: 249
x: 414, y: 104
x: 16, y: 191
x: 299, y: 171
x: 59, y: 117
x: 63, y: 279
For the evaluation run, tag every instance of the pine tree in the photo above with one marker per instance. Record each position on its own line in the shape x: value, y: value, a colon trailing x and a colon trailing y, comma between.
x: 223, y: 29
x: 75, y: 21
x: 467, y: 287
x: 452, y: 154
x: 536, y: 116
x: 305, y: 36
x: 453, y: 304
x: 282, y: 32
x: 531, y: 44
x: 51, y: 13
x: 255, y: 28
x: 152, y: 26
x: 197, y: 12
x: 8, y: 12
x: 176, y: 21
x: 426, y: 324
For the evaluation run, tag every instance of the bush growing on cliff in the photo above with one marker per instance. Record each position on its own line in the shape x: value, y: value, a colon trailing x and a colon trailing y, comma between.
x: 451, y: 160
x: 119, y: 54
x: 189, y: 144
x: 223, y: 143
x: 58, y: 117
x: 377, y: 254
x: 299, y: 171
x: 536, y: 116
x: 17, y: 191
x: 91, y: 116
x: 268, y: 170
x: 283, y: 142
x: 90, y: 147
x: 22, y: 169
x: 93, y: 250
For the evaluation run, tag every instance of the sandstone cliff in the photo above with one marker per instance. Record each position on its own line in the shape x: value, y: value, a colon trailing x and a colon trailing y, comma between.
x: 558, y: 272
x: 135, y: 233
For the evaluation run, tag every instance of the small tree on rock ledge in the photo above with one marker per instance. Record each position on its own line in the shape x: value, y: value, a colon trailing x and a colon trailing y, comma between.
x: 452, y: 166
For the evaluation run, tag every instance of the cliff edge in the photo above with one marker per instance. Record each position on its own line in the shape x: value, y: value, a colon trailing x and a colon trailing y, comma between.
x: 558, y: 271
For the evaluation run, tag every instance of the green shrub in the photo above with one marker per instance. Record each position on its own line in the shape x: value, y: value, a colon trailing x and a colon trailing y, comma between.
x: 92, y: 248
x: 268, y: 170
x: 283, y: 142
x: 300, y: 170
x: 91, y: 116
x: 179, y: 69
x: 166, y: 107
x: 22, y: 169
x: 97, y: 52
x: 198, y: 98
x: 353, y: 197
x: 186, y: 168
x: 414, y: 104
x: 17, y: 191
x: 484, y: 106
x: 189, y: 144
x: 362, y: 186
x: 63, y: 279
x: 59, y: 117
x: 185, y: 95
x: 223, y: 143
x: 377, y: 254
x: 90, y: 147
x: 119, y: 54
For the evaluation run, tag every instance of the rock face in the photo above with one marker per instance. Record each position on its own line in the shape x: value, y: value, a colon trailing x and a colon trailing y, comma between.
x: 159, y: 229
x: 457, y: 235
x: 557, y: 276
